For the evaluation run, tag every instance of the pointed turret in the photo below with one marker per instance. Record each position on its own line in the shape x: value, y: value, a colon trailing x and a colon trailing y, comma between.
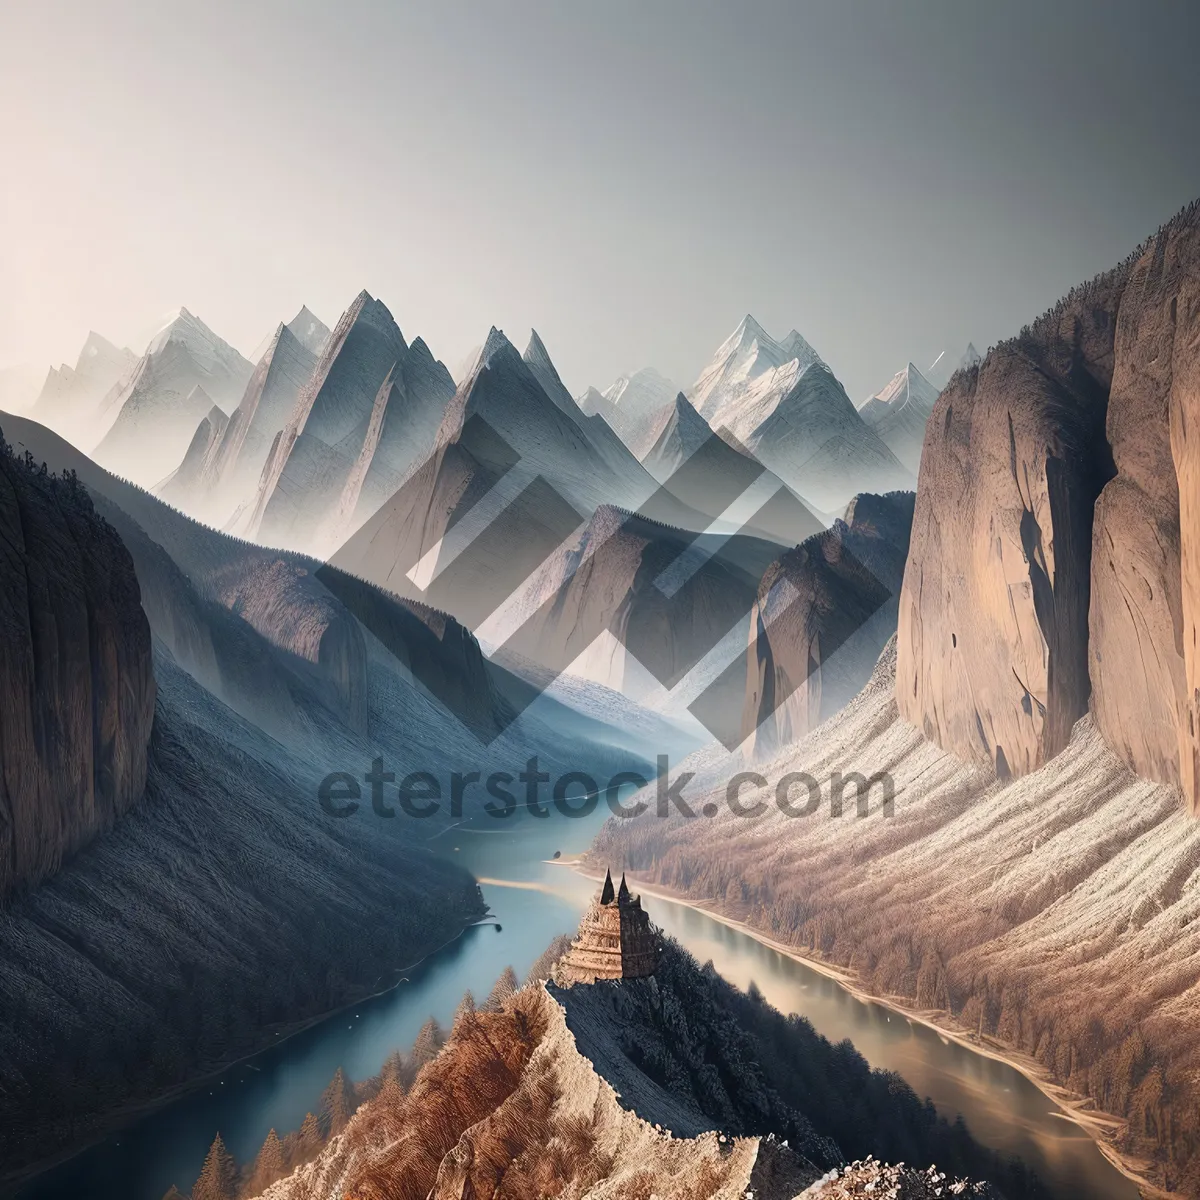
x: 615, y: 940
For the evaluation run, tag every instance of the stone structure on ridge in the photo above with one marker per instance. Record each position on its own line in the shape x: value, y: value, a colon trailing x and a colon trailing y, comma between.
x: 615, y: 940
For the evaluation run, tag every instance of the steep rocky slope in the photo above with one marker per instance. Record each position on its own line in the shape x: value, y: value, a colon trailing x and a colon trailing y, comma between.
x: 179, y: 487
x: 370, y: 408
x: 227, y: 905
x: 225, y: 909
x: 1050, y: 565
x: 230, y: 468
x: 824, y: 612
x: 75, y: 674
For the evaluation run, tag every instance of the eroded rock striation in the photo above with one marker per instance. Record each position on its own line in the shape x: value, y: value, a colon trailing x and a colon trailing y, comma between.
x: 1053, y: 563
x: 75, y: 673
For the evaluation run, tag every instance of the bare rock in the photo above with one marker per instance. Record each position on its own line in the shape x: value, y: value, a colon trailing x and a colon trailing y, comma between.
x: 993, y: 621
x: 75, y: 666
x: 823, y: 614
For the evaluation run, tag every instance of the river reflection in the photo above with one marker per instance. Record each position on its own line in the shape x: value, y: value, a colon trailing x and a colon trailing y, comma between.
x: 533, y: 900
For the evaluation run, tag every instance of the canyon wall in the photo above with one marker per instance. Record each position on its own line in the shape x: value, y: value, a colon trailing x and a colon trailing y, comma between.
x: 1055, y: 556
x: 75, y: 673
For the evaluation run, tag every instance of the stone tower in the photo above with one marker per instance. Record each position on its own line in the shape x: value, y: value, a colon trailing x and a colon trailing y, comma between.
x: 615, y: 940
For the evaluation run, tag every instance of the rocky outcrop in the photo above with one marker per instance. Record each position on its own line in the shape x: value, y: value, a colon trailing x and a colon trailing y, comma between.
x: 824, y: 612
x: 994, y: 609
x: 75, y: 674
x: 1051, y: 566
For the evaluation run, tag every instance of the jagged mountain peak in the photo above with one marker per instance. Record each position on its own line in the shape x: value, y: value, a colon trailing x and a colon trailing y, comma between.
x: 643, y: 389
x: 537, y: 359
x: 750, y: 361
x: 208, y: 348
x: 536, y: 349
x: 495, y: 344
x: 309, y: 330
x: 907, y: 386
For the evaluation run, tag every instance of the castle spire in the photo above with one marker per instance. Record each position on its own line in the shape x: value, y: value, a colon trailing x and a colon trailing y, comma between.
x: 606, y: 896
x: 623, y: 895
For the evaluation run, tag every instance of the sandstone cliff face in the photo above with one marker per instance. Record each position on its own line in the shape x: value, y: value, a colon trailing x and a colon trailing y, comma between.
x: 994, y: 608
x: 1136, y: 645
x: 76, y: 681
x: 1055, y: 559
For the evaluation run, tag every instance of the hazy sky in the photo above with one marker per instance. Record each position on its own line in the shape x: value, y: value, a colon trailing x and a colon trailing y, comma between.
x: 890, y: 178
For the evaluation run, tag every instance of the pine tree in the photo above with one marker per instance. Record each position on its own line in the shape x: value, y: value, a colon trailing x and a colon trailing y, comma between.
x: 466, y: 1008
x: 430, y: 1040
x: 505, y: 987
x: 219, y: 1175
x: 337, y: 1104
x: 268, y: 1166
x: 309, y: 1141
x: 393, y: 1068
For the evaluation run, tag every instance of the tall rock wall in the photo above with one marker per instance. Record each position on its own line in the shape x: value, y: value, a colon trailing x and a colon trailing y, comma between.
x: 76, y: 681
x: 1055, y: 558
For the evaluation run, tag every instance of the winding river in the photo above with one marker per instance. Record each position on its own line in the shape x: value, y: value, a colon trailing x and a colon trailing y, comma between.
x: 533, y: 901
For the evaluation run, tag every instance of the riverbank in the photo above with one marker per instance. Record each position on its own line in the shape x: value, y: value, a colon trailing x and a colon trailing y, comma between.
x: 118, y: 1119
x: 1101, y: 1128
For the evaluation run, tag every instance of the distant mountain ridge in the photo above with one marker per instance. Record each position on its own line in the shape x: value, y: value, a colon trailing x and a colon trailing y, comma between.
x: 898, y: 414
x: 784, y: 404
x: 150, y: 418
x: 70, y: 397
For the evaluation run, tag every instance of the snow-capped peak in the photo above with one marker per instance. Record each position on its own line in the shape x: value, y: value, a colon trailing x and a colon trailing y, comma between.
x: 908, y: 386
x: 742, y: 363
